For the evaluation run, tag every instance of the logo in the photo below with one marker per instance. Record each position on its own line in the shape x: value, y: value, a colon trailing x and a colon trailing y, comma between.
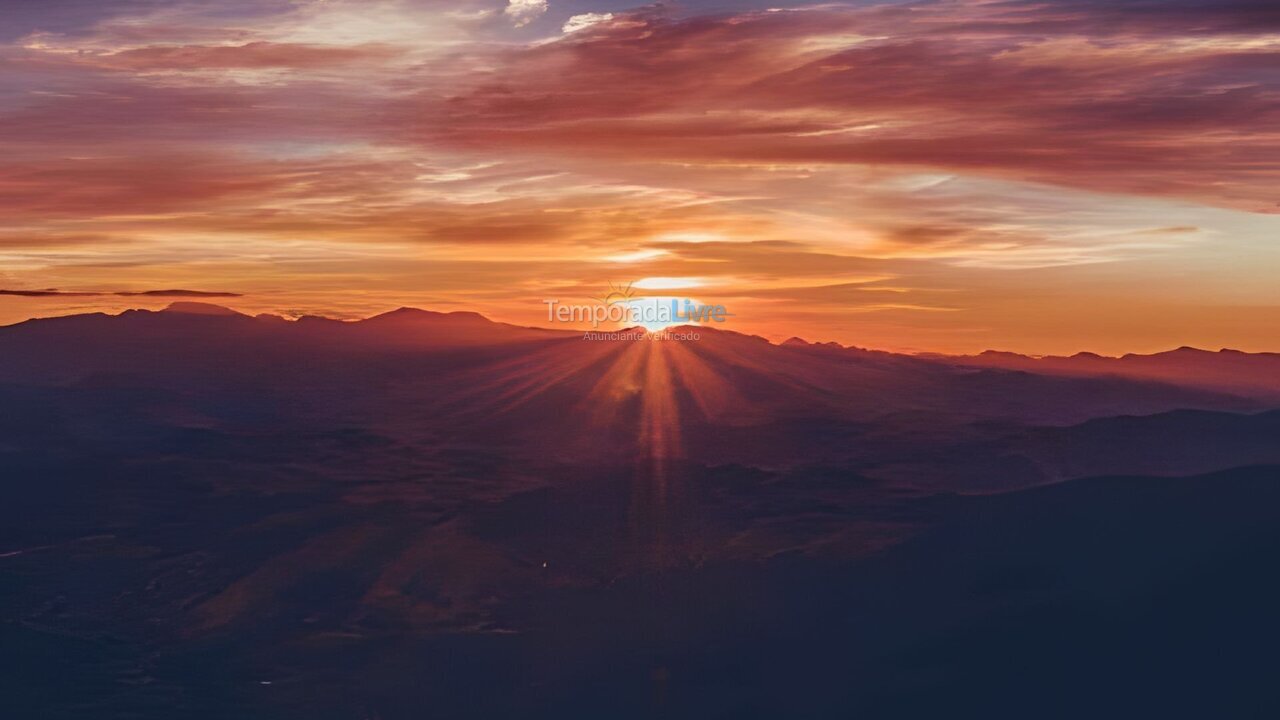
x: 616, y: 294
x: 620, y: 305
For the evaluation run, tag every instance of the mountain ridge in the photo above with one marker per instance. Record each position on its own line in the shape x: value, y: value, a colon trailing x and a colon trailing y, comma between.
x: 410, y: 313
x: 718, y: 393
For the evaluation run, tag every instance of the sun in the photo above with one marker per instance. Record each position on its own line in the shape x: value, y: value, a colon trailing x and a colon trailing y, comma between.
x: 654, y: 313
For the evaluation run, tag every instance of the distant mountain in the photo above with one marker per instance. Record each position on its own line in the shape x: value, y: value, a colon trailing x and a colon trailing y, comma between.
x: 724, y: 396
x: 1252, y: 374
x: 200, y: 308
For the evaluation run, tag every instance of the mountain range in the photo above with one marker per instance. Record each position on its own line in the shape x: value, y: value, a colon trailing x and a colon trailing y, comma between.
x: 215, y: 514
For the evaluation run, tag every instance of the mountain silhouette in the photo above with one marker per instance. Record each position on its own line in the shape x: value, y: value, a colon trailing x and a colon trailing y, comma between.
x: 1253, y: 374
x: 261, y: 517
x: 723, y: 397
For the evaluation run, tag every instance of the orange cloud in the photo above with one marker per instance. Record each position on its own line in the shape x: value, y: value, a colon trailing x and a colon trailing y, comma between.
x: 1137, y: 114
x: 254, y: 55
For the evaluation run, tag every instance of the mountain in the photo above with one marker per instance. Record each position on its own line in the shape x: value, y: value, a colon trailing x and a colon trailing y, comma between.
x: 1178, y: 442
x: 1150, y: 592
x: 345, y: 597
x: 218, y: 515
x: 422, y: 376
x: 200, y: 308
x: 720, y: 373
x: 1233, y: 371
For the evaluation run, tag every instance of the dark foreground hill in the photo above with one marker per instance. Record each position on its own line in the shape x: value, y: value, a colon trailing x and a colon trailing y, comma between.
x: 1109, y: 597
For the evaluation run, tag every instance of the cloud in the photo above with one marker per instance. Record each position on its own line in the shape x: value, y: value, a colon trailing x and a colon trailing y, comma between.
x: 584, y: 21
x: 523, y: 12
x: 350, y: 155
x: 254, y: 55
x: 1119, y: 97
x: 1001, y: 89
x: 178, y: 293
x: 51, y: 292
x: 48, y: 293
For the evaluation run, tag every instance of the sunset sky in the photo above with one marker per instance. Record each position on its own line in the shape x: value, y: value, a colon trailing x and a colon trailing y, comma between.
x: 1039, y: 176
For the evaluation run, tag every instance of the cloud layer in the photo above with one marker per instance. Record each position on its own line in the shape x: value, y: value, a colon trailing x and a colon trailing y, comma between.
x: 940, y: 175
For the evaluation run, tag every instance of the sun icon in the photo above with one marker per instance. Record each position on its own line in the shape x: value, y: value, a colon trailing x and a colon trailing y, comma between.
x: 617, y: 294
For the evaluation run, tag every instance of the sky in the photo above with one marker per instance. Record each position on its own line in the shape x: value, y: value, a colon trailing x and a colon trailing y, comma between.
x: 1043, y: 176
